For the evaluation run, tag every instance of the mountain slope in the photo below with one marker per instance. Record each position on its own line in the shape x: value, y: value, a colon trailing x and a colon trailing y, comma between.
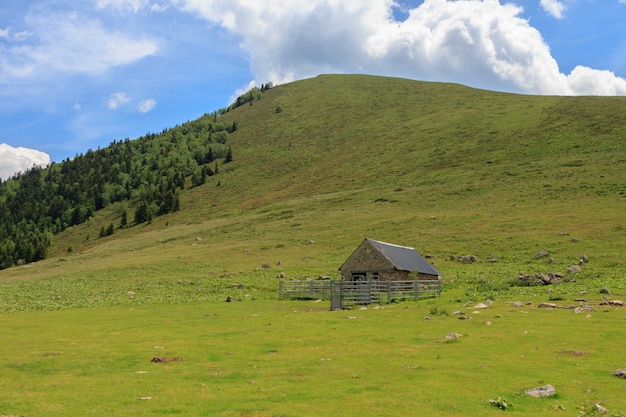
x: 444, y: 168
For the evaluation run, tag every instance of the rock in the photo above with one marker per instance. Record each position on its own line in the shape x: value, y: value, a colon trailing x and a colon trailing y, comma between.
x: 265, y: 266
x: 323, y: 278
x: 480, y: 306
x: 541, y: 254
x: 451, y: 336
x: 465, y: 318
x: 613, y: 303
x: 281, y: 275
x: 458, y: 313
x: 547, y: 305
x: 427, y: 318
x: 517, y: 304
x: 600, y: 409
x: 466, y: 259
x: 229, y: 299
x: 573, y: 269
x: 605, y: 291
x: 584, y: 259
x: 620, y: 373
x: 541, y: 392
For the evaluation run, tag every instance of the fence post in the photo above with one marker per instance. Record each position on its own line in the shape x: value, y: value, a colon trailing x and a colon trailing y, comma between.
x: 416, y: 289
x: 280, y: 290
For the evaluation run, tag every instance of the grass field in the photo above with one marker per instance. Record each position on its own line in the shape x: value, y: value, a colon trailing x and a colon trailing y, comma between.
x: 443, y: 168
x: 298, y: 358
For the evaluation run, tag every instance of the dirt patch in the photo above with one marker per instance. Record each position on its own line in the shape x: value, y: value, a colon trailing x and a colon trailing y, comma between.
x: 572, y: 352
x: 157, y: 359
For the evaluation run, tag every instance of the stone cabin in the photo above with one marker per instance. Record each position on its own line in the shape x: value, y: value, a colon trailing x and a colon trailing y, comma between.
x: 374, y: 260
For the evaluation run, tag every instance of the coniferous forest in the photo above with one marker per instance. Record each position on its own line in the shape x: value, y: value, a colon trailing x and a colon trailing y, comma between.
x: 145, y: 174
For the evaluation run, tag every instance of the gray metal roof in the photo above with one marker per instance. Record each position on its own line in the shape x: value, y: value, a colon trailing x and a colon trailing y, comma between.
x: 404, y: 258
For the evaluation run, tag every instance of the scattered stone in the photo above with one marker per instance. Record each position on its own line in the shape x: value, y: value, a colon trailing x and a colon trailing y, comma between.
x: 573, y: 269
x: 550, y: 260
x: 613, y: 303
x: 145, y: 398
x: 465, y: 318
x: 605, y: 291
x: 620, y: 373
x: 323, y: 278
x: 229, y: 299
x: 541, y: 392
x: 601, y: 409
x: 282, y: 275
x: 584, y: 259
x: 265, y: 266
x: 547, y: 305
x: 451, y: 336
x: 539, y: 279
x: 467, y: 259
x: 458, y: 313
x: 517, y: 304
x: 427, y: 318
x: 480, y: 306
x: 583, y: 308
x: 541, y: 254
x: 488, y: 323
x: 131, y: 294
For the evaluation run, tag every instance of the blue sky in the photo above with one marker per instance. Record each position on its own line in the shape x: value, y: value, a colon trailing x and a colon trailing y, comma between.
x: 78, y: 74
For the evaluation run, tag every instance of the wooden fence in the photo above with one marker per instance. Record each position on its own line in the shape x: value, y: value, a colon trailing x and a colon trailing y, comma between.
x: 347, y: 293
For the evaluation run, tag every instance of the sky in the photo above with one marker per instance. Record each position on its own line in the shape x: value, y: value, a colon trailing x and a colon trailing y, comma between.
x: 77, y: 74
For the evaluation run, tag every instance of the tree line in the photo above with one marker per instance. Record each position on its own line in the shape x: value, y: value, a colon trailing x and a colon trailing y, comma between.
x: 147, y: 173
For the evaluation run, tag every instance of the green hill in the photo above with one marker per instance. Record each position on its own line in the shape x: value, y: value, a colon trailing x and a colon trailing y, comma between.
x: 320, y: 164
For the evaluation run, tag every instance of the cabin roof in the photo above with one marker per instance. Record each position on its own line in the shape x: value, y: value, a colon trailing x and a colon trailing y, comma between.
x: 403, y: 258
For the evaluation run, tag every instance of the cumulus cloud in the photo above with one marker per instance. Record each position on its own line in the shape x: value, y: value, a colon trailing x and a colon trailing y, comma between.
x: 115, y: 100
x: 14, y: 160
x: 553, y: 7
x: 146, y: 105
x: 482, y: 43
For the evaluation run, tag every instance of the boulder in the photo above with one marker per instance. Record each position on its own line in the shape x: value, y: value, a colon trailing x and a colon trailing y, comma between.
x: 547, y: 305
x: 620, y: 373
x: 541, y: 392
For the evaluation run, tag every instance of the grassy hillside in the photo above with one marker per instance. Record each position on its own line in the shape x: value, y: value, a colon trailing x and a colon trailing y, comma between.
x: 320, y: 164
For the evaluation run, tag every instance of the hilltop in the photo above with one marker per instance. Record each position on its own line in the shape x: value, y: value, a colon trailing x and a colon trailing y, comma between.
x: 319, y: 164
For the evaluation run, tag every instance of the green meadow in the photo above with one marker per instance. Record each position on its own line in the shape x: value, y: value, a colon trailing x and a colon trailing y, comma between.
x: 318, y: 165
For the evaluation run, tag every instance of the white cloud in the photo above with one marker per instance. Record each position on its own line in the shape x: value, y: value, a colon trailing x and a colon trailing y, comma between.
x: 146, y: 105
x: 117, y: 99
x: 123, y: 5
x: 15, y: 160
x: 66, y: 43
x: 482, y: 43
x: 553, y: 7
